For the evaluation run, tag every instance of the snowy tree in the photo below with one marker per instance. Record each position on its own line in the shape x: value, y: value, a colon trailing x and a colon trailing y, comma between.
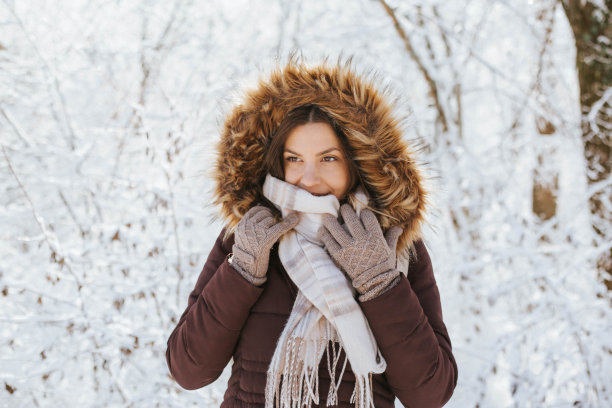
x: 591, y: 22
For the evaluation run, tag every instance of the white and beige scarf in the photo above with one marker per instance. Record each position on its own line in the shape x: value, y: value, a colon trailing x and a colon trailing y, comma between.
x: 324, y: 311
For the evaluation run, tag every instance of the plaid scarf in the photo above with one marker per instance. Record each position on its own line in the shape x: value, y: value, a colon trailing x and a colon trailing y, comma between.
x: 324, y: 311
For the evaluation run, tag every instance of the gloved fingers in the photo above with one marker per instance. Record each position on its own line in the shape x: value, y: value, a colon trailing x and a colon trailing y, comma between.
x: 335, y: 229
x: 245, y: 228
x: 292, y: 219
x: 254, y: 210
x: 329, y: 241
x: 392, y: 236
x: 352, y: 221
x: 266, y: 222
x: 370, y: 222
x: 260, y: 213
x: 254, y: 215
x: 278, y: 230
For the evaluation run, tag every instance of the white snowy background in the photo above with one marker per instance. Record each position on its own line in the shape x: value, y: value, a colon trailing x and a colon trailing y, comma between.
x: 109, y: 112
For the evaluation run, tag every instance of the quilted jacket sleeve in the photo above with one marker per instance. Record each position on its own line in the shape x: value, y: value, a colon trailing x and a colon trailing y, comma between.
x: 204, y: 339
x: 407, y: 324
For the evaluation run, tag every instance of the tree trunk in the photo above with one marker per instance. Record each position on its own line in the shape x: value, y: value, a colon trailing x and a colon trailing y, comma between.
x: 592, y: 27
x: 545, y: 185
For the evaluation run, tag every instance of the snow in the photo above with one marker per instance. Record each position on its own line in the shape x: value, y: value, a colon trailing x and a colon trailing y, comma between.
x: 109, y: 112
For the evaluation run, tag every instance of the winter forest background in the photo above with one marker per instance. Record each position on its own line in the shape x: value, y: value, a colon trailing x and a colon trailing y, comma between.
x: 109, y: 113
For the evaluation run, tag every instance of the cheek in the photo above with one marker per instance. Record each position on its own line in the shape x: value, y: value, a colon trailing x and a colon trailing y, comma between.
x: 291, y: 175
x: 339, y: 177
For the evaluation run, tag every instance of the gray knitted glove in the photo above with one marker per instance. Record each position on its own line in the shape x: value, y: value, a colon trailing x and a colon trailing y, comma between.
x: 364, y: 253
x: 255, y: 235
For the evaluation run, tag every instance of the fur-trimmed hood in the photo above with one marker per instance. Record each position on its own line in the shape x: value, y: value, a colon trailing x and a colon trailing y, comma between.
x: 386, y: 164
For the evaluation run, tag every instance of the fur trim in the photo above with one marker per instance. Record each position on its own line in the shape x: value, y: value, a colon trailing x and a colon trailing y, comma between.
x: 386, y: 164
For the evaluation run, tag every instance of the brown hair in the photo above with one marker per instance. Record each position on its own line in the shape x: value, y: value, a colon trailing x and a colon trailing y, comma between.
x: 273, y: 157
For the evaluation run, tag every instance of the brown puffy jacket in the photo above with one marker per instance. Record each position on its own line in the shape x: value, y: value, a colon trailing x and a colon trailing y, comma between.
x: 227, y: 317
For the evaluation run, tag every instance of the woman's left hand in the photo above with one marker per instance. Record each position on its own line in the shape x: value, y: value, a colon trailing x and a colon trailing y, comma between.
x: 364, y: 253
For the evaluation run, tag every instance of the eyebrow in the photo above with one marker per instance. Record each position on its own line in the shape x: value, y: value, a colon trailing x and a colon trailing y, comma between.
x: 331, y: 149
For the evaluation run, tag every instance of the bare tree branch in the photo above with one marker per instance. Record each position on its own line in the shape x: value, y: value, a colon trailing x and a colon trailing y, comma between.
x: 433, y: 88
x: 56, y: 251
x: 56, y: 85
x: 18, y: 131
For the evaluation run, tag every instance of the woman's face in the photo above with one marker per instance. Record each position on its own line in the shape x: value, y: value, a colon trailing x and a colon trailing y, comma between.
x: 313, y: 160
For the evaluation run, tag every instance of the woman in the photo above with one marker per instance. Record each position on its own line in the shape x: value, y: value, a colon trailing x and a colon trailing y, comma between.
x: 314, y: 312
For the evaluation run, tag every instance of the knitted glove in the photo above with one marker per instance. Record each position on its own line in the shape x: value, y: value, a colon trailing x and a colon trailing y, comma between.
x: 363, y: 252
x: 255, y: 234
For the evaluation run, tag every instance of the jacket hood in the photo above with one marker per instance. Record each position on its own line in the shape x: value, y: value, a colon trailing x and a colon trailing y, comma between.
x: 386, y: 164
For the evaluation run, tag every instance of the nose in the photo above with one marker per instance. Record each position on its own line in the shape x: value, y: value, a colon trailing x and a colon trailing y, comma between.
x: 311, y: 175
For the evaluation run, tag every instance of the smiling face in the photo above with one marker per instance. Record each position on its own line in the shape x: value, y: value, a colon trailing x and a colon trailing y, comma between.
x: 313, y: 160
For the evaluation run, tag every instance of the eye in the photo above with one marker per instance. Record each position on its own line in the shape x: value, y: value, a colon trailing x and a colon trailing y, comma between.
x: 292, y: 159
x: 330, y: 158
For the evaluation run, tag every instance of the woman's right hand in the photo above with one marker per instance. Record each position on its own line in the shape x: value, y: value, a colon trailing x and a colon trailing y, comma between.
x: 255, y: 235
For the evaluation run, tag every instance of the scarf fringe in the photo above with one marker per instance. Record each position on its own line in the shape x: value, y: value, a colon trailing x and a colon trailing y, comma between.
x: 332, y: 362
x: 362, y: 393
x: 298, y: 385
